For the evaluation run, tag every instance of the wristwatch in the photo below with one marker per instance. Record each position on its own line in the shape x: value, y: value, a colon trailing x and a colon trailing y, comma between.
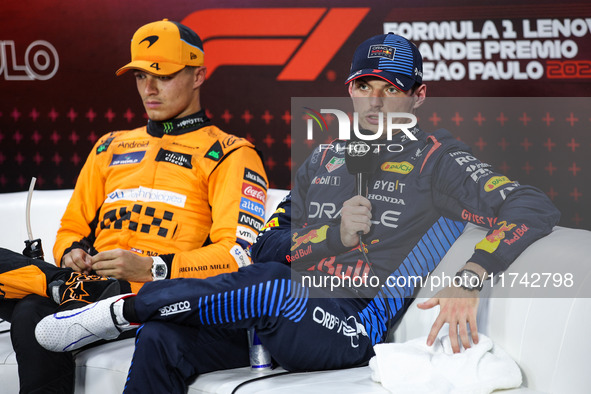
x: 159, y: 268
x: 469, y: 280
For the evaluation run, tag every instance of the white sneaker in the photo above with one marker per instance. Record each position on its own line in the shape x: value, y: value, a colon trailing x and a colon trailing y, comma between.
x: 72, y: 329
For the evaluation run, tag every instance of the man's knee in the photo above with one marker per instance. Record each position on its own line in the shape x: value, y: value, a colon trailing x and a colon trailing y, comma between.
x: 40, y: 371
x: 152, y: 335
x: 30, y: 310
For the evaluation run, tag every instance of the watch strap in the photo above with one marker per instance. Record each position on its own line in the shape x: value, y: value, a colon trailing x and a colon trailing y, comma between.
x: 473, y: 282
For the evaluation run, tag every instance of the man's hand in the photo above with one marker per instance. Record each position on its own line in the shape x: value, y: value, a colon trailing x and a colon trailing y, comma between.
x: 78, y: 260
x: 457, y: 307
x: 355, y: 216
x: 123, y: 264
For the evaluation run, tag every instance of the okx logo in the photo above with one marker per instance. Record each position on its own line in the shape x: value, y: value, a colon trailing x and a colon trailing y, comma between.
x: 402, y: 121
x: 303, y: 40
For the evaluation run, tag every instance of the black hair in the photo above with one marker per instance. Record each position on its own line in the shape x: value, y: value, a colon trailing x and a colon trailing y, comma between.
x: 415, y: 87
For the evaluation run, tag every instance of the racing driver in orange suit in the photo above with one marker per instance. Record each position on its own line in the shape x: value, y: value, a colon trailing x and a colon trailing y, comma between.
x: 175, y: 198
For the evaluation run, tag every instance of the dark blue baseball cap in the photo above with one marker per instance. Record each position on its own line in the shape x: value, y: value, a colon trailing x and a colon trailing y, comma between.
x: 390, y: 57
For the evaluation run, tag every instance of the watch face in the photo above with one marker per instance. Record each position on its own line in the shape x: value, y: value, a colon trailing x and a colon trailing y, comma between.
x: 160, y: 271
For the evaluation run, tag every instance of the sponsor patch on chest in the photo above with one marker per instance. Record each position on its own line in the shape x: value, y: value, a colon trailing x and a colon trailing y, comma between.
x: 177, y: 158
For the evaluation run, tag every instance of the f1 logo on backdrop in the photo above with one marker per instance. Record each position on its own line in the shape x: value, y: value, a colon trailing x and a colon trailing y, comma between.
x: 303, y: 40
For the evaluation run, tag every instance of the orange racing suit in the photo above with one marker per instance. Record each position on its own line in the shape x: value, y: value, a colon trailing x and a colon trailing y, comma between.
x: 183, y: 190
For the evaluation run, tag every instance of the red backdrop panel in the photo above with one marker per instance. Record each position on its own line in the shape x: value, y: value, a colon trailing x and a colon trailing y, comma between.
x: 60, y: 92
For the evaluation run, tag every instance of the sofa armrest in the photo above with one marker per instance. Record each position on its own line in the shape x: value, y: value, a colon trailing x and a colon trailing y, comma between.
x: 546, y: 333
x: 47, y: 209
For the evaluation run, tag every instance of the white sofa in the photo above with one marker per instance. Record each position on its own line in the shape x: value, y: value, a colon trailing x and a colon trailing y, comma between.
x: 549, y: 338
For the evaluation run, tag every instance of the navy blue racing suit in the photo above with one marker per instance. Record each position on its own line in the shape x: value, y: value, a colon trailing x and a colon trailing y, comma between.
x: 421, y: 200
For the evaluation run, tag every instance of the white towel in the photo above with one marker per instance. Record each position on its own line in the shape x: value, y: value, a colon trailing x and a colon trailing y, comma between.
x: 414, y: 367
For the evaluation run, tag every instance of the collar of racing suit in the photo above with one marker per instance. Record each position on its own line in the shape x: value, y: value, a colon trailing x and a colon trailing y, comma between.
x: 402, y: 139
x: 178, y: 126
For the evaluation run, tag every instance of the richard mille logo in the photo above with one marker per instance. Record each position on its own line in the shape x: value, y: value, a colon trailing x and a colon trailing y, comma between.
x: 150, y: 39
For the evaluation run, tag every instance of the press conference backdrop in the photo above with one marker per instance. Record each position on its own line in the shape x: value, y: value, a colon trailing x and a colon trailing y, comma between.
x: 59, y: 92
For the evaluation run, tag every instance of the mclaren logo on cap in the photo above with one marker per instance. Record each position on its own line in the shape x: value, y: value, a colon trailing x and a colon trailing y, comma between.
x: 150, y: 39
